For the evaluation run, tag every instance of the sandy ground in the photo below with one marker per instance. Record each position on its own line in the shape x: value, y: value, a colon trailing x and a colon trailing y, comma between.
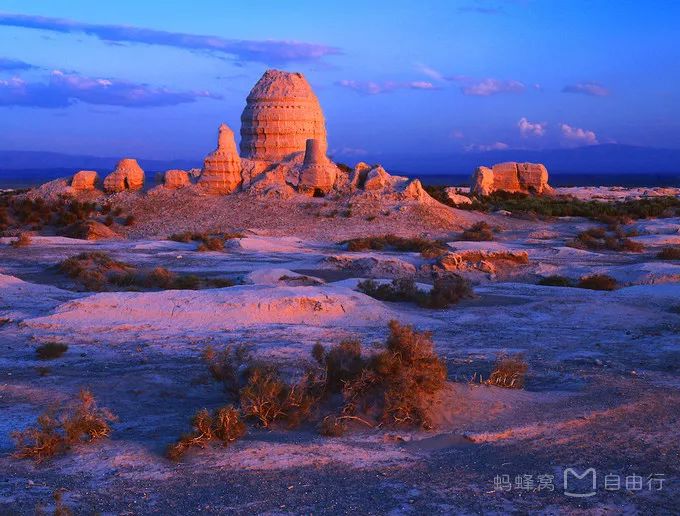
x: 603, y: 388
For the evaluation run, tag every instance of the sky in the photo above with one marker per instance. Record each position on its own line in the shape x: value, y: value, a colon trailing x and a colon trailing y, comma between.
x: 394, y: 78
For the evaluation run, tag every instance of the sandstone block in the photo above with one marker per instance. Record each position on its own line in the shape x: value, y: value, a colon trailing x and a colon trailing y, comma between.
x: 222, y: 168
x: 84, y: 181
x: 128, y: 175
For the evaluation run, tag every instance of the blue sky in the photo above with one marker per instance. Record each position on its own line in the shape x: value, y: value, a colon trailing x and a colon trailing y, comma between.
x: 395, y: 77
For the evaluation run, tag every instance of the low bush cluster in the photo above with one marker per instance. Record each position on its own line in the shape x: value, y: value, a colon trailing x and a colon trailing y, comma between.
x: 51, y: 350
x: 206, y: 241
x: 479, y: 232
x: 98, y: 271
x: 565, y: 206
x: 57, y: 431
x: 556, y: 281
x: 509, y: 372
x: 446, y: 291
x: 669, y: 253
x: 426, y: 247
x: 224, y: 425
x: 600, y: 238
x: 23, y: 240
x: 396, y: 384
x: 598, y: 282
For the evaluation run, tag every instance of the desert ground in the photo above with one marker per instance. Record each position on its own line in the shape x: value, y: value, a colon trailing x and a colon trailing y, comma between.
x: 602, y: 388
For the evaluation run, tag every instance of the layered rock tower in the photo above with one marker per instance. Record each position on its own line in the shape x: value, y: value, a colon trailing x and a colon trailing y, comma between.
x: 281, y: 114
x: 222, y: 167
x: 317, y: 174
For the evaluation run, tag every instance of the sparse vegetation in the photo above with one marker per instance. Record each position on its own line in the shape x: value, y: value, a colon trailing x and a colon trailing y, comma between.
x: 521, y: 204
x: 446, y: 291
x: 207, y: 241
x: 51, y: 350
x: 669, y: 253
x: 479, y: 232
x: 598, y: 282
x: 509, y: 372
x: 224, y: 426
x: 98, y: 271
x: 23, y: 240
x: 556, y: 281
x: 394, y: 385
x: 428, y: 248
x: 599, y: 238
x: 57, y: 431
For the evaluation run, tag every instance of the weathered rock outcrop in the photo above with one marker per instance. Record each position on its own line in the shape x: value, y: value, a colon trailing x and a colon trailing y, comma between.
x: 281, y: 114
x: 317, y: 174
x: 455, y: 197
x: 511, y: 177
x: 84, y: 181
x: 358, y: 175
x: 222, y: 167
x: 128, y: 175
x: 176, y: 179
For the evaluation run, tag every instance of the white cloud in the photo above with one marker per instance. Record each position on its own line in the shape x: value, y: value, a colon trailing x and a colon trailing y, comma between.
x: 487, y: 147
x: 430, y: 72
x: 376, y: 88
x: 527, y: 129
x: 587, y: 88
x: 488, y: 87
x: 578, y: 135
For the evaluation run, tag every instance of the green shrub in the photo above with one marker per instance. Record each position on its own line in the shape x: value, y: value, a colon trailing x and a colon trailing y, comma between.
x: 446, y: 291
x: 428, y: 248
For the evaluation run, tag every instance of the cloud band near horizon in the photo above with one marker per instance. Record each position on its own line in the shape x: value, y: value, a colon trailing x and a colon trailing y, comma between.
x: 265, y: 51
x: 63, y: 90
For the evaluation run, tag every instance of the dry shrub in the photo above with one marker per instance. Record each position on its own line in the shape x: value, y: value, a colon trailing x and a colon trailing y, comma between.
x: 598, y: 238
x: 129, y: 220
x: 23, y: 240
x: 51, y: 350
x: 598, y: 282
x: 395, y: 386
x: 556, y: 281
x: 669, y: 253
x: 478, y: 232
x: 230, y: 365
x: 267, y: 398
x: 509, y: 372
x: 93, y: 269
x: 402, y: 379
x: 80, y: 422
x: 224, y: 425
x: 426, y: 247
x: 447, y: 290
x: 207, y: 241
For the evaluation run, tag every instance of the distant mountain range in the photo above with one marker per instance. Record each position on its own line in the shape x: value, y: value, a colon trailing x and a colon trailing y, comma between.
x: 24, y: 168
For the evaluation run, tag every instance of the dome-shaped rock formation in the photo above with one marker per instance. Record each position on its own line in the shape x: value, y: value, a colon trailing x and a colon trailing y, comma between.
x: 511, y: 177
x: 222, y: 167
x: 84, y: 181
x: 176, y: 179
x: 128, y: 175
x: 317, y: 174
x: 281, y: 114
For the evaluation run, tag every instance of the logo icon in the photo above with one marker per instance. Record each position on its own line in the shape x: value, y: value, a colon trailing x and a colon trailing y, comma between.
x: 580, y: 485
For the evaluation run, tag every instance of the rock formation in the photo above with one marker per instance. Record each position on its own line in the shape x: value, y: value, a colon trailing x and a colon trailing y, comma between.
x: 358, y: 176
x: 222, y: 167
x: 511, y: 177
x: 376, y: 179
x: 176, y: 179
x: 84, y: 181
x: 455, y: 197
x: 281, y: 114
x: 317, y: 174
x: 128, y: 175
